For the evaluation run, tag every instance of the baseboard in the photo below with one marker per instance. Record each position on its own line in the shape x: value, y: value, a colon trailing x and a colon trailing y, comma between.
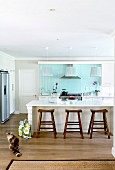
x: 16, y: 112
x: 113, y: 151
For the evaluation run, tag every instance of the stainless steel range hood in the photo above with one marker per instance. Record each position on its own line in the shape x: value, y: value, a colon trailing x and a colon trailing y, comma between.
x: 70, y: 73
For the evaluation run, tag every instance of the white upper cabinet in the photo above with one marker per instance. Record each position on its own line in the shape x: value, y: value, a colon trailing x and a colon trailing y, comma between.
x: 108, y: 74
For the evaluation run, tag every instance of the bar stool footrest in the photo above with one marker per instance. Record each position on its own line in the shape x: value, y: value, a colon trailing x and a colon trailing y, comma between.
x: 46, y: 128
x: 98, y: 128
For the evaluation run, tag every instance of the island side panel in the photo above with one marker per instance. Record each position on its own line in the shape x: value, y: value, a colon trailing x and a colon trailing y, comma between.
x: 29, y: 108
x: 34, y: 119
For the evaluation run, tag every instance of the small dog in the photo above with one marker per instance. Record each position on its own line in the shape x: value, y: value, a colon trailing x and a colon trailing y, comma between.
x: 13, y: 143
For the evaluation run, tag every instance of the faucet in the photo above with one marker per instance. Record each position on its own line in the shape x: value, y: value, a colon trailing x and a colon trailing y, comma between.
x: 42, y: 90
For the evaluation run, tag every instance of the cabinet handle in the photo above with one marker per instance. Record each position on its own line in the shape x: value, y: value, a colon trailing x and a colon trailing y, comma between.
x: 35, y: 95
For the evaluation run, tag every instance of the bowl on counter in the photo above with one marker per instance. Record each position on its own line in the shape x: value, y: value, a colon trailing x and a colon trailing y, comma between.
x: 71, y: 97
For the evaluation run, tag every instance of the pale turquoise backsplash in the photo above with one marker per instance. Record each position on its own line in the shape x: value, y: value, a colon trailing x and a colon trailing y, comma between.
x: 83, y: 85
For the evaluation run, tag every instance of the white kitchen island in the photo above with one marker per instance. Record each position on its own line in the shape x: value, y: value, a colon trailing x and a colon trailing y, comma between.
x: 60, y: 114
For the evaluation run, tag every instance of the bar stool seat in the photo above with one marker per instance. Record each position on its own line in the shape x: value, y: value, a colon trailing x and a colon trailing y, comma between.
x: 93, y: 122
x: 78, y: 123
x: 50, y: 124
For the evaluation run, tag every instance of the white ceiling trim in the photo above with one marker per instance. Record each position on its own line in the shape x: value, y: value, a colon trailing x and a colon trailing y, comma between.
x: 75, y: 62
x: 72, y: 59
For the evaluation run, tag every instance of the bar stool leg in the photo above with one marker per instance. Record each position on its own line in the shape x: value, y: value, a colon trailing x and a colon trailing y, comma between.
x: 104, y: 120
x: 39, y: 122
x: 106, y: 125
x: 92, y: 123
x: 67, y: 116
x: 80, y: 126
x: 53, y: 124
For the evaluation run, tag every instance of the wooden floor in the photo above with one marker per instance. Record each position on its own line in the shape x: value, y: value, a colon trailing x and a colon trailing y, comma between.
x: 47, y: 148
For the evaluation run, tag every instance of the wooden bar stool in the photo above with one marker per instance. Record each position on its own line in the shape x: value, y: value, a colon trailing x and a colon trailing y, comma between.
x: 103, y: 122
x: 51, y: 124
x: 73, y: 123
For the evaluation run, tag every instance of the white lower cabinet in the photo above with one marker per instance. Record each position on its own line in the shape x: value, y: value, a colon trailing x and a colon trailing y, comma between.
x: 107, y: 74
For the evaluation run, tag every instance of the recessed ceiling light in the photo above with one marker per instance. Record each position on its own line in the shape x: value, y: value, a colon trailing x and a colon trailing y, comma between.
x: 94, y: 48
x: 52, y: 9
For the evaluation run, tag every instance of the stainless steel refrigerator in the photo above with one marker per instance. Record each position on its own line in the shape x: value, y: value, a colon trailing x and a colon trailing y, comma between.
x: 4, y: 96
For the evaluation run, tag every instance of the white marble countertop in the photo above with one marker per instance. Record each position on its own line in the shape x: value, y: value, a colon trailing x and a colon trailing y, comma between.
x: 90, y: 96
x: 99, y: 96
x: 74, y: 103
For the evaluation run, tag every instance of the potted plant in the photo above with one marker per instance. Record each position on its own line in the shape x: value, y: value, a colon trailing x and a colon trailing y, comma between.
x: 96, y: 91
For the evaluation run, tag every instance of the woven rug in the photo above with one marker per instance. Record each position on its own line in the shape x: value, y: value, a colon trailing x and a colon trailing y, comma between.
x: 62, y: 165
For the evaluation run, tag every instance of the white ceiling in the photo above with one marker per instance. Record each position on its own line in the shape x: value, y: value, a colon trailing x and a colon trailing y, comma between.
x: 27, y: 27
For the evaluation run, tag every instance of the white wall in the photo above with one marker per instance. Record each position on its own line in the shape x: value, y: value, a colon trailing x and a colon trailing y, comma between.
x: 7, y: 62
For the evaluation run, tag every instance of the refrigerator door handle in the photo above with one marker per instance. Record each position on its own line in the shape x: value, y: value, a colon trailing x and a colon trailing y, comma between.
x: 4, y: 89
